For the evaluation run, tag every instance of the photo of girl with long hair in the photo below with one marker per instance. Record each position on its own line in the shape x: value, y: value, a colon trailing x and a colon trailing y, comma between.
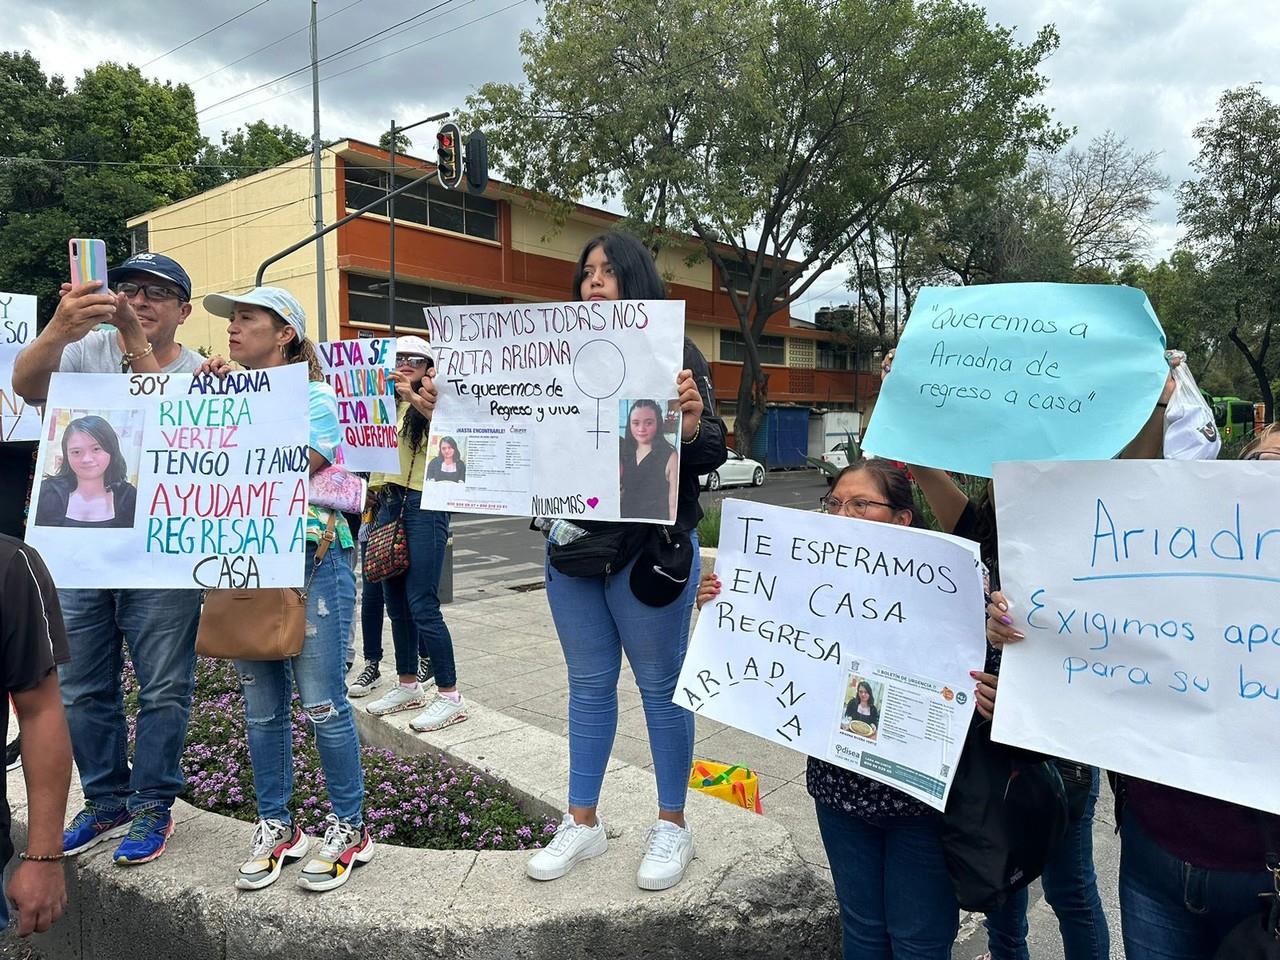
x: 447, y: 464
x: 861, y: 712
x: 648, y: 471
x: 87, y: 484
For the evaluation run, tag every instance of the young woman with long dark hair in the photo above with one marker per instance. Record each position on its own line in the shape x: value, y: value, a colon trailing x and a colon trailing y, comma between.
x: 598, y: 618
x: 91, y: 486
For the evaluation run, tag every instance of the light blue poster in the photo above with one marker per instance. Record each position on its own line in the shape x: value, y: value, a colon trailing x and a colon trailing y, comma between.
x: 1019, y: 371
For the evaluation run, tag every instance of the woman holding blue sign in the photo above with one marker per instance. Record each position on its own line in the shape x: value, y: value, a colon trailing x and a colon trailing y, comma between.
x: 268, y: 329
x: 1195, y: 871
x: 625, y: 599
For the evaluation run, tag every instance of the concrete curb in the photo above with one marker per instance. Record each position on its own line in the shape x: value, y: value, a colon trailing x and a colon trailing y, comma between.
x: 748, y: 893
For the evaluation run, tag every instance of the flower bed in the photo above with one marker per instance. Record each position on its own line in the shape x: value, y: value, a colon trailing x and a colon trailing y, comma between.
x: 417, y: 801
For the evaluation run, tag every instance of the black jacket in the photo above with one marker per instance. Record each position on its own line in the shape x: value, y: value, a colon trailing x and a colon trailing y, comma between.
x: 707, y: 451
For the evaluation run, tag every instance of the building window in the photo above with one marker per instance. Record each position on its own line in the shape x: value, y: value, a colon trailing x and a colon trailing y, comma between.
x: 834, y: 356
x: 771, y: 349
x: 428, y: 204
x: 139, y: 239
x: 367, y: 301
x: 740, y: 275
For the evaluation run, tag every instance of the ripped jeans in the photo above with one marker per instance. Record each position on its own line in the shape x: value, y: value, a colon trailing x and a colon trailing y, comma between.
x: 319, y: 671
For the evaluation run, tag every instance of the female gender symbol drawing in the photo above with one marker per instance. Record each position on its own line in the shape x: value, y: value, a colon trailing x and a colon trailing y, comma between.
x: 598, y: 370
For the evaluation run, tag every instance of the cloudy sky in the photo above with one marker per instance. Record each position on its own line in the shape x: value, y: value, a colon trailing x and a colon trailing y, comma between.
x: 1148, y: 69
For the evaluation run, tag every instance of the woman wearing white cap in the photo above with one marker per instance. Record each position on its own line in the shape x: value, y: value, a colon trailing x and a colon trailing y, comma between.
x: 413, y: 600
x: 268, y: 329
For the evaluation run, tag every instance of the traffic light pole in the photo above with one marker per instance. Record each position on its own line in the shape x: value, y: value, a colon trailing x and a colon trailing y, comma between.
x: 391, y: 218
x: 294, y: 248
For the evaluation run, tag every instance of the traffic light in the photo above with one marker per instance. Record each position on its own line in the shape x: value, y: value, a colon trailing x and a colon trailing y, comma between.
x: 477, y: 162
x: 448, y: 144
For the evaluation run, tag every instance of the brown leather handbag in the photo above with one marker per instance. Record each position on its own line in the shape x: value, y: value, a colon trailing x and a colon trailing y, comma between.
x: 265, y: 624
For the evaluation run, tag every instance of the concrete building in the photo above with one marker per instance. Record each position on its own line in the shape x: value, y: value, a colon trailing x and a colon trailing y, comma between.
x: 454, y: 247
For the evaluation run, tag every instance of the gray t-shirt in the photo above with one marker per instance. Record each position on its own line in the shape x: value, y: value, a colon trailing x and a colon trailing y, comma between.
x: 99, y: 352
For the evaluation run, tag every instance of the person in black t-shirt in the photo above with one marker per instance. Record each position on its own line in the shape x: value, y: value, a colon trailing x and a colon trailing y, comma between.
x: 33, y: 642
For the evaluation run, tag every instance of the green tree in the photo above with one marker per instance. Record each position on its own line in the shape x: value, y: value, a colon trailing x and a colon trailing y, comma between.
x: 775, y: 131
x: 112, y: 147
x: 248, y: 150
x: 403, y: 143
x: 1231, y: 210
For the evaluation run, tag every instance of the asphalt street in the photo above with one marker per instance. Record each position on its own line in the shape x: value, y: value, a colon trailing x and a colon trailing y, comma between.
x: 492, y: 554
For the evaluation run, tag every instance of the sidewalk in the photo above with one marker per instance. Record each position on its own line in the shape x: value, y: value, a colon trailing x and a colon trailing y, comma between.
x: 509, y: 659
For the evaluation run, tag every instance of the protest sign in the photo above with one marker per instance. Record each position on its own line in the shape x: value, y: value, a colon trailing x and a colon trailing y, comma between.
x: 845, y: 639
x: 360, y: 373
x: 174, y: 480
x: 556, y: 410
x: 1019, y: 371
x: 17, y: 329
x: 1149, y: 593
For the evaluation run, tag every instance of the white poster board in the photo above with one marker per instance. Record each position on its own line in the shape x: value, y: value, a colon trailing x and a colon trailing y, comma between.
x: 535, y: 409
x: 208, y: 479
x: 17, y: 329
x: 360, y: 373
x: 1149, y: 592
x: 816, y: 612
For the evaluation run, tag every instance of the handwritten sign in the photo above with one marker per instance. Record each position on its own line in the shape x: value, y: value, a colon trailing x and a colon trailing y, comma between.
x: 845, y: 639
x: 1019, y: 371
x: 174, y: 480
x: 1149, y: 592
x: 556, y: 410
x: 17, y: 329
x: 360, y: 373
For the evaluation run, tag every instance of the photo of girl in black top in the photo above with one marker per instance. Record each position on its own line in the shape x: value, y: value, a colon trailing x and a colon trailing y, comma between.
x: 862, y: 707
x: 648, y: 468
x: 447, y: 463
x: 90, y: 487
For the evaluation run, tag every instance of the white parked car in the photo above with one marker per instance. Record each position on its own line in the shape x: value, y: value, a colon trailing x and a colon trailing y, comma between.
x: 836, y: 456
x: 737, y: 471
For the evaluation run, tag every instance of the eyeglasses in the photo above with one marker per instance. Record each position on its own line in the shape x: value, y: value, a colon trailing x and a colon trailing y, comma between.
x: 857, y: 506
x: 412, y: 359
x: 1263, y: 455
x: 153, y: 291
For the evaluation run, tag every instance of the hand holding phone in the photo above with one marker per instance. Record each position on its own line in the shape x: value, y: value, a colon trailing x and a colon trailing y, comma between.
x: 80, y: 309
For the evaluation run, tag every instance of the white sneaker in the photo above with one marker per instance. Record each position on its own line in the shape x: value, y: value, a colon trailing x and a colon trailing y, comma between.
x: 572, y: 842
x: 369, y: 680
x: 443, y: 712
x: 669, y: 853
x: 398, y: 698
x: 275, y: 843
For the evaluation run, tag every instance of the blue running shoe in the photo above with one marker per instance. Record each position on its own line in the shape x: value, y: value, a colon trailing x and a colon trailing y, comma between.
x: 91, y: 826
x: 146, y: 839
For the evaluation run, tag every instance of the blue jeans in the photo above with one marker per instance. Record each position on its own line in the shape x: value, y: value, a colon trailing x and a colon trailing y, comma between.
x: 597, y: 621
x: 372, y: 612
x: 413, y: 598
x: 896, y: 900
x: 159, y: 627
x: 1071, y: 889
x: 1170, y: 910
x: 319, y: 671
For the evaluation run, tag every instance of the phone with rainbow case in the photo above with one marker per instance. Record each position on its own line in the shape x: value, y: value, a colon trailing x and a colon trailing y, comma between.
x: 88, y: 262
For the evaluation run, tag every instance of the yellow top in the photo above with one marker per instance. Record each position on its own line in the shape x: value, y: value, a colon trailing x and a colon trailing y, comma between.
x: 407, y: 459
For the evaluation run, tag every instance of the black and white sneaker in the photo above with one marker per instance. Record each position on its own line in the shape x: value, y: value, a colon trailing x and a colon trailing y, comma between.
x: 368, y: 681
x: 13, y: 754
x: 426, y: 672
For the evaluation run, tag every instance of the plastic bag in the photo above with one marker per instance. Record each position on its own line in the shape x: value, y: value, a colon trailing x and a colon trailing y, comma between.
x: 1190, y: 432
x: 732, y: 784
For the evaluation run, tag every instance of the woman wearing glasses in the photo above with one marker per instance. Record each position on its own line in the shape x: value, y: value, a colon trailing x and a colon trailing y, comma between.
x: 412, y: 598
x: 885, y: 848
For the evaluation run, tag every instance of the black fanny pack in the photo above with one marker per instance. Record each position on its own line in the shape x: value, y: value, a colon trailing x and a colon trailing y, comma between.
x: 606, y: 548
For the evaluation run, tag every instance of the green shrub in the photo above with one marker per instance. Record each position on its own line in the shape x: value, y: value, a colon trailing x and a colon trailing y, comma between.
x: 709, y: 526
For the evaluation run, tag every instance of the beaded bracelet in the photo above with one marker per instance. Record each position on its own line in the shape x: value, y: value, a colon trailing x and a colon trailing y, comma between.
x: 696, y: 430
x: 127, y: 359
x: 41, y: 858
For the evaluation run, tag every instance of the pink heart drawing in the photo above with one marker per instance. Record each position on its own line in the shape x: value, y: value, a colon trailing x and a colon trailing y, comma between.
x: 593, y: 502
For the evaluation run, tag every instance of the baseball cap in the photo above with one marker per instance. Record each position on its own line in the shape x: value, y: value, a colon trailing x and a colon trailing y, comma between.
x: 413, y: 345
x: 156, y: 264
x: 273, y: 298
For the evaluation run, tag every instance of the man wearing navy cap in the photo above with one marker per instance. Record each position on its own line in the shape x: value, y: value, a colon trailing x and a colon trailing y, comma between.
x: 150, y: 297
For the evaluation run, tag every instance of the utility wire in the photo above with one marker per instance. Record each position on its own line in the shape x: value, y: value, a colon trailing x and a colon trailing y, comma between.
x: 366, y: 63
x: 273, y: 43
x: 185, y: 43
x: 332, y: 56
